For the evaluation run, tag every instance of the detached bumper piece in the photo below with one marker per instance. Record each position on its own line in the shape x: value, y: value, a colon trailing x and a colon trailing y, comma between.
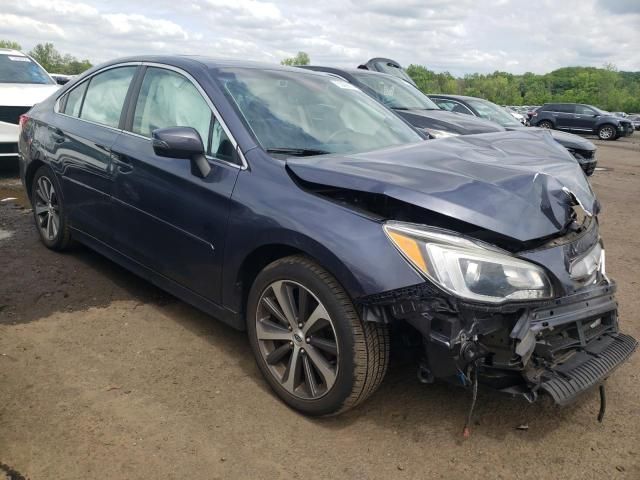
x: 587, y: 368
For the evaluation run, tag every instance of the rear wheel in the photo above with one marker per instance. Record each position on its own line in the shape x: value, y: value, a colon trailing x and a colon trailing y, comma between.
x: 545, y: 124
x: 308, y: 340
x: 48, y: 210
x: 607, y: 132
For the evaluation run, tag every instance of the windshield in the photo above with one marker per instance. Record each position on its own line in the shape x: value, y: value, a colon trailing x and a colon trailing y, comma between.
x: 391, y: 69
x: 396, y: 93
x: 494, y: 112
x: 21, y: 69
x: 310, y: 114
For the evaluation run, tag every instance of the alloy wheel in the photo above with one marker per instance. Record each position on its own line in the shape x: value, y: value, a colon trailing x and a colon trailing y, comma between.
x: 47, y: 208
x: 297, y: 339
x: 606, y: 133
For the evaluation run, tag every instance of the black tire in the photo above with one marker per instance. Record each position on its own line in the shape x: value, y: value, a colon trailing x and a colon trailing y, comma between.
x: 61, y: 236
x: 545, y: 124
x: 363, y: 346
x: 607, y: 132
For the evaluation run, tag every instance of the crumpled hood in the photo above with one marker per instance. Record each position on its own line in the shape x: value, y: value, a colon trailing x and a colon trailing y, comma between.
x: 449, y: 121
x: 24, y: 94
x: 518, y: 184
x: 567, y: 140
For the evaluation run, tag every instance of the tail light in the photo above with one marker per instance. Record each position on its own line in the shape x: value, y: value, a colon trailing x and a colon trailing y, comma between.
x: 22, y: 121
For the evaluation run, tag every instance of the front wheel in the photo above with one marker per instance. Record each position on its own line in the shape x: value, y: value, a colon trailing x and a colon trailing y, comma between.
x: 545, y: 124
x: 607, y: 132
x: 308, y: 340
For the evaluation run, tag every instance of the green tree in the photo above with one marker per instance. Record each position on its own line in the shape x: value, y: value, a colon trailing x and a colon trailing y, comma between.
x: 10, y: 44
x: 54, y: 62
x: 302, y: 58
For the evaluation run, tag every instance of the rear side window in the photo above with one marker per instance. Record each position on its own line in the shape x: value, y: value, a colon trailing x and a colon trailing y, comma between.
x: 73, y: 101
x: 105, y: 96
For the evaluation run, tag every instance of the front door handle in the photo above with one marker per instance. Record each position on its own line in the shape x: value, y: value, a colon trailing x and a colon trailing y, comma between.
x: 121, y: 161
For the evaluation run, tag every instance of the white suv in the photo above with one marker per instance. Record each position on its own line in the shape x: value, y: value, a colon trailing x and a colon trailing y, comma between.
x: 23, y: 83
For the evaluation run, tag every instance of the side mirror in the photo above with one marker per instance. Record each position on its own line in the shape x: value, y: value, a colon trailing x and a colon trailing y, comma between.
x: 182, y: 142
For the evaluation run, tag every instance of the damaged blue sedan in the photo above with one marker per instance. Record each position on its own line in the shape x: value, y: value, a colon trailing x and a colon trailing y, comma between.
x: 289, y: 204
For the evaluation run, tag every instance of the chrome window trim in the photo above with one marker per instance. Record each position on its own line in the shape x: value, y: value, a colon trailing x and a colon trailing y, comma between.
x: 214, y: 110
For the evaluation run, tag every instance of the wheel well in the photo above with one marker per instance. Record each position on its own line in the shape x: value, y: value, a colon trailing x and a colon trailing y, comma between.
x: 256, y: 261
x: 30, y: 173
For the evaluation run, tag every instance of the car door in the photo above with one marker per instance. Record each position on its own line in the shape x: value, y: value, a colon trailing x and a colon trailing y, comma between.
x: 584, y: 118
x: 84, y: 128
x: 166, y: 217
x: 563, y: 114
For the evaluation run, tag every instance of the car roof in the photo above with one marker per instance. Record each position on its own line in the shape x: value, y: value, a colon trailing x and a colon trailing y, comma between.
x: 202, y: 60
x: 348, y: 71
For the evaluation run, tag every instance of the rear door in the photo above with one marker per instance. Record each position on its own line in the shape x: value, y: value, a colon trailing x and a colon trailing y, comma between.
x: 167, y: 218
x: 86, y: 125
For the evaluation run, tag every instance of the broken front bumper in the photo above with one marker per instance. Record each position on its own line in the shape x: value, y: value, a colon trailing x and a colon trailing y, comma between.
x: 562, y: 347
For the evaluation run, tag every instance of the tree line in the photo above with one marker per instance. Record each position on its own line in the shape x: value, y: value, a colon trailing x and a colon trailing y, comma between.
x: 50, y: 59
x: 606, y: 88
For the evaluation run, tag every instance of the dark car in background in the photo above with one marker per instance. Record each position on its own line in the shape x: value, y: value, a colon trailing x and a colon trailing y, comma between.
x: 635, y: 121
x: 582, y: 149
x: 576, y: 117
x: 386, y: 65
x: 410, y: 103
x: 291, y: 204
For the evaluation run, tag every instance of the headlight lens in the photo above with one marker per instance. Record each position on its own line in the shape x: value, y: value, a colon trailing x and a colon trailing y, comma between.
x: 466, y: 268
x: 439, y: 133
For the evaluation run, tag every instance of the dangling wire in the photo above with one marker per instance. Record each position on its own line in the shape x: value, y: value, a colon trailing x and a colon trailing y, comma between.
x: 466, y: 431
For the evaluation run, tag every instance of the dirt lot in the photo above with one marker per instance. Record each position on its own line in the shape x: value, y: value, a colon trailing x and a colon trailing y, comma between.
x: 104, y: 376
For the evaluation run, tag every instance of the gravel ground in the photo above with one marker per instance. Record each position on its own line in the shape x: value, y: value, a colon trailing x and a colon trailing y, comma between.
x: 103, y: 375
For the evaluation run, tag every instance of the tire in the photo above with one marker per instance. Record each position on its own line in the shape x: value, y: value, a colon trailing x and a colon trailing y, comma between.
x: 48, y: 210
x: 361, y: 348
x: 607, y: 132
x: 545, y: 124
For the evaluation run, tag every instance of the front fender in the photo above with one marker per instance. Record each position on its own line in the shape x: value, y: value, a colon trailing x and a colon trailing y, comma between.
x: 270, y: 209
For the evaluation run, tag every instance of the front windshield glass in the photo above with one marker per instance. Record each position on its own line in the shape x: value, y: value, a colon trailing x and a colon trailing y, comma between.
x: 396, y: 93
x: 311, y: 113
x: 21, y: 69
x: 494, y: 112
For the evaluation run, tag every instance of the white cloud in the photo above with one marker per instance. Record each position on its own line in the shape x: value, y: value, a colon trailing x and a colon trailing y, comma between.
x: 461, y: 36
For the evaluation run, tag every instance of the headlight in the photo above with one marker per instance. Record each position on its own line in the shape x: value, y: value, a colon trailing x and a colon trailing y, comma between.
x: 468, y: 269
x: 439, y: 133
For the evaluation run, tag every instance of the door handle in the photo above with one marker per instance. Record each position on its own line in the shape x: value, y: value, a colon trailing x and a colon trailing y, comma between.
x: 57, y: 135
x: 123, y: 162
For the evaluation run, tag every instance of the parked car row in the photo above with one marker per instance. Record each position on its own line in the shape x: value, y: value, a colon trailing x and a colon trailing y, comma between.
x: 297, y: 206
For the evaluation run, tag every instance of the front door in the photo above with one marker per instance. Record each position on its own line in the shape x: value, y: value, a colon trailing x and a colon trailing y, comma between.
x: 167, y: 218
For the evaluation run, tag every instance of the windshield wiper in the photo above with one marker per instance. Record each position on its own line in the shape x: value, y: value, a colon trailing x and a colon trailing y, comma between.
x: 297, y: 152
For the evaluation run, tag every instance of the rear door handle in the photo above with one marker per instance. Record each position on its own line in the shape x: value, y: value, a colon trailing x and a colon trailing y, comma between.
x: 57, y: 135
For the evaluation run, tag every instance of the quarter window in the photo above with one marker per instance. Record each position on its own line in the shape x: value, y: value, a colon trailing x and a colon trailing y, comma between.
x: 73, y: 101
x: 105, y: 96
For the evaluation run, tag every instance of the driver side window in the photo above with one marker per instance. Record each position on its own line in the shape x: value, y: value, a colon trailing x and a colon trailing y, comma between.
x: 582, y: 110
x: 168, y: 99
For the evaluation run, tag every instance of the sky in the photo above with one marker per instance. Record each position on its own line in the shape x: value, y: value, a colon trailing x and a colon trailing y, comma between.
x: 461, y: 36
